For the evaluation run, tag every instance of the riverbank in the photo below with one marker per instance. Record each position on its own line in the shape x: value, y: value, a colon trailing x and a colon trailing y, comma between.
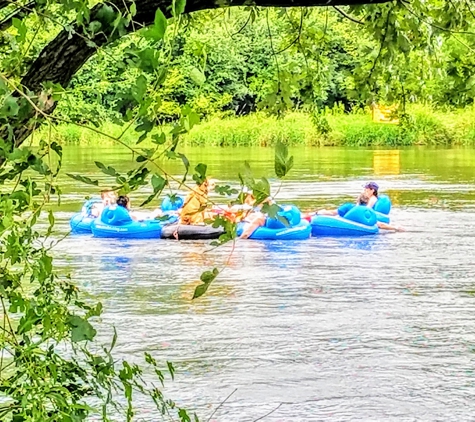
x: 425, y: 127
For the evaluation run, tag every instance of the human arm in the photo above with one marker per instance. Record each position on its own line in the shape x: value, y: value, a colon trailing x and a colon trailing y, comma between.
x: 257, y: 220
x: 372, y: 201
x: 386, y: 226
x: 327, y: 212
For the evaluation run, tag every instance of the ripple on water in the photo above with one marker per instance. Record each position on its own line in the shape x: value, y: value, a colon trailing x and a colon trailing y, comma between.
x: 369, y: 329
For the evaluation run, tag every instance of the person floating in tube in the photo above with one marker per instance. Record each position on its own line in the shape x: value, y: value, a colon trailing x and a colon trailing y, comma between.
x: 108, y: 197
x: 193, y: 211
x: 368, y: 197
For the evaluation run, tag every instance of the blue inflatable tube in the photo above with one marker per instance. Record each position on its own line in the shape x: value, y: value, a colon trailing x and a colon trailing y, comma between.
x: 81, y: 221
x: 116, y: 222
x: 301, y: 231
x: 293, y: 229
x: 169, y: 204
x: 382, y: 217
x: 382, y: 208
x: 359, y: 221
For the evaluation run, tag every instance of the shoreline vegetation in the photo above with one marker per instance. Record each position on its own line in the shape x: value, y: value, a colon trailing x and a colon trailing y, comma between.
x: 424, y: 126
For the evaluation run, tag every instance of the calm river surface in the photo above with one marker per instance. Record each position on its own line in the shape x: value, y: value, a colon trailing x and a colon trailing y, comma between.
x: 372, y: 329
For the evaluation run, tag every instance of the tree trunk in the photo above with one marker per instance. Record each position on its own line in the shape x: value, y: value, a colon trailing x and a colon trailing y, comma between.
x: 66, y: 54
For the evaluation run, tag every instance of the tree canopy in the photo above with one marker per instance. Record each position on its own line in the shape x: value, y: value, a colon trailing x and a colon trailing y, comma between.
x: 37, y: 65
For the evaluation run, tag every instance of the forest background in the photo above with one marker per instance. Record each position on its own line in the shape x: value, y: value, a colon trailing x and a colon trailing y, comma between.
x: 313, y: 75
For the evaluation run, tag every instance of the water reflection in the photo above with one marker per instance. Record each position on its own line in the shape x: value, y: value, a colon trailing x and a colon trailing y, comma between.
x: 367, y: 243
x: 116, y: 263
x: 386, y: 162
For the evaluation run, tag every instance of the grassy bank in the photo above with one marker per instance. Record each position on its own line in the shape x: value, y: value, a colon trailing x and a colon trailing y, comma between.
x: 425, y: 127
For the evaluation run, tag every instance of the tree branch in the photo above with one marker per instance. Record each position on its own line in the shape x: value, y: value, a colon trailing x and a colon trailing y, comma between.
x: 341, y: 12
x: 220, y: 404
x: 269, y: 413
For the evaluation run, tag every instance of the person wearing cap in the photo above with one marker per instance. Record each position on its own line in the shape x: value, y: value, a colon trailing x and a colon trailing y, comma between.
x: 368, y: 197
x: 371, y: 193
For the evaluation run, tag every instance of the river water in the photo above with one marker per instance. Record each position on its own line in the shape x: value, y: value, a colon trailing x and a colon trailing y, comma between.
x: 369, y: 329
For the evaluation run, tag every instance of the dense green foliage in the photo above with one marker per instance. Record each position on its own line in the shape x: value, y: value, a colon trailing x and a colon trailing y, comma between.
x: 223, y: 64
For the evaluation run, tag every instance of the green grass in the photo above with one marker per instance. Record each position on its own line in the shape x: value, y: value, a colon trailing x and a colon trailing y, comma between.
x: 254, y: 130
x: 71, y: 134
x: 425, y: 127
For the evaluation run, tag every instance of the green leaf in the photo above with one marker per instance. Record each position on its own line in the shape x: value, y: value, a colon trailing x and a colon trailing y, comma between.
x: 81, y: 329
x: 261, y: 190
x: 107, y: 170
x: 183, y: 415
x: 226, y: 190
x: 133, y: 9
x: 178, y: 7
x: 282, y: 164
x: 95, y: 311
x: 10, y: 107
x: 21, y: 28
x: 160, y: 22
x: 28, y: 321
x: 139, y: 90
x: 247, y: 178
x: 114, y: 340
x: 159, y: 139
x: 157, y: 31
x: 106, y: 14
x: 158, y: 184
x: 145, y: 126
x: 272, y: 211
x: 171, y: 369
x: 58, y: 149
x: 207, y: 278
x: 51, y: 222
x: 200, y: 176
x: 94, y: 27
x: 200, y: 290
x: 191, y: 120
x: 197, y: 76
x: 150, y: 359
x: 83, y: 179
x: 186, y: 163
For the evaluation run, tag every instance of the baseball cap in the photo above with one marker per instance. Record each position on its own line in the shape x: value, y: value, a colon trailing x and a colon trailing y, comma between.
x: 372, y: 185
